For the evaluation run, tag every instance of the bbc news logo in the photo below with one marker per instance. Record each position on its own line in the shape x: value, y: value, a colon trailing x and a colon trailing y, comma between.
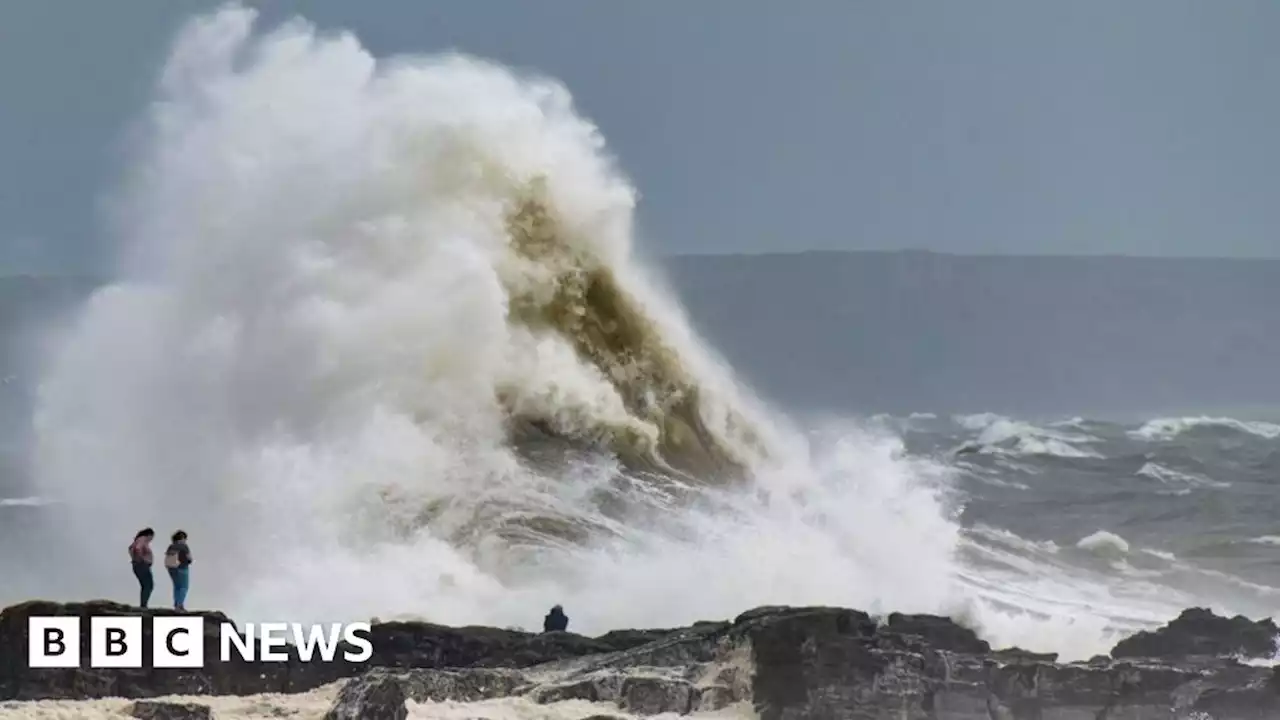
x: 178, y: 642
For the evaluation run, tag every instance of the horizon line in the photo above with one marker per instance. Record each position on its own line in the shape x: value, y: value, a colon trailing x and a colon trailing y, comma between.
x: 976, y: 255
x: 82, y: 273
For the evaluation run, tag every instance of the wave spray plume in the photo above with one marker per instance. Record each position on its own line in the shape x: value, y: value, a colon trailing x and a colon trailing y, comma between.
x: 377, y: 341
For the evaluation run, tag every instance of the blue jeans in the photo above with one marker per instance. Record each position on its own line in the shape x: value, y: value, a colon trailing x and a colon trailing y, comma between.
x: 181, y: 581
x: 142, y: 571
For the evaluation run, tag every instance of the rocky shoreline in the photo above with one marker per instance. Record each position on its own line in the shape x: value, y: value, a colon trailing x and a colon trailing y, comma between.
x: 777, y: 663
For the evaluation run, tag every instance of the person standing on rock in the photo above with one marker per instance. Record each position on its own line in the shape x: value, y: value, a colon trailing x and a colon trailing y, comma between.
x: 555, y: 621
x: 178, y: 560
x: 140, y: 557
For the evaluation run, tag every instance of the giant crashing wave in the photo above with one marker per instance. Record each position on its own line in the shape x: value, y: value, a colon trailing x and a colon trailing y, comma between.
x: 664, y: 438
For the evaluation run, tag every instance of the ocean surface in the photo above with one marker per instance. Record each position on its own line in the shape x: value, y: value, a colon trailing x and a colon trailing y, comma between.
x: 385, y: 346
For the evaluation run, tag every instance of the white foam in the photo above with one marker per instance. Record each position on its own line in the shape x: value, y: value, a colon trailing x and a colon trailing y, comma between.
x: 1169, y: 428
x: 1001, y: 435
x: 1161, y: 554
x: 1104, y: 543
x: 23, y: 502
x: 1170, y: 476
x: 314, y: 705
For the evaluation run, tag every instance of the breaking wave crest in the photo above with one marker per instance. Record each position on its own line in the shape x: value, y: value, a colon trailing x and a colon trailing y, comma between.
x: 1168, y: 428
x: 379, y: 343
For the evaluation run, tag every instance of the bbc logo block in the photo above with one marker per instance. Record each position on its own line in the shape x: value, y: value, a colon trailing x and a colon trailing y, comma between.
x: 179, y: 642
x: 115, y: 642
x: 53, y: 642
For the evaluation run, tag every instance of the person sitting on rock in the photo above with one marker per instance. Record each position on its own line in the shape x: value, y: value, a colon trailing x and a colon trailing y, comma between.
x: 555, y: 621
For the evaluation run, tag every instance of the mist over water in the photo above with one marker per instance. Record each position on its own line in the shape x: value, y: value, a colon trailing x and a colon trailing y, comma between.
x: 335, y: 359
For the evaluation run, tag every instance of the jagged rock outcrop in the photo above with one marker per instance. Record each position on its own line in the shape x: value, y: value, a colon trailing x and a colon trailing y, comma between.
x: 1198, y: 631
x: 784, y: 663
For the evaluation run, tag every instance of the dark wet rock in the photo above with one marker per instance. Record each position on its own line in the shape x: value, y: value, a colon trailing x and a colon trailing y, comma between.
x: 1199, y: 632
x: 812, y: 663
x: 1016, y: 654
x: 715, y: 697
x: 469, y: 685
x: 623, y: 639
x: 601, y: 688
x: 426, y: 645
x: 376, y: 695
x: 656, y: 695
x: 938, y: 633
x: 154, y: 710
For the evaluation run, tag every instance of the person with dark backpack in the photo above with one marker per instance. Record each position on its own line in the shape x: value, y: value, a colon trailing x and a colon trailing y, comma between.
x: 140, y: 557
x: 177, y: 559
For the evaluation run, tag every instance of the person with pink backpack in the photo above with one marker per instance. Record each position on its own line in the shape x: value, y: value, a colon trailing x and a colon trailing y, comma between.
x: 140, y: 557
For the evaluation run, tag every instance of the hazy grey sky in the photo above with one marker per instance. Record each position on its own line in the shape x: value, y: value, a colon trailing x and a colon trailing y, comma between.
x: 1138, y: 127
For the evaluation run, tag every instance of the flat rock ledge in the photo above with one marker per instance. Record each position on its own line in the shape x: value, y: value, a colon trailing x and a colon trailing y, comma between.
x: 782, y: 663
x: 155, y: 710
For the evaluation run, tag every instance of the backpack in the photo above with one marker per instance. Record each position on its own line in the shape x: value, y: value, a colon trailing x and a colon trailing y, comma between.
x: 171, y: 559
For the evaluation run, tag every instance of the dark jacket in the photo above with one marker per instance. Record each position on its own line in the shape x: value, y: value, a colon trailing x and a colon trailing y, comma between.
x: 182, y: 551
x: 555, y: 621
